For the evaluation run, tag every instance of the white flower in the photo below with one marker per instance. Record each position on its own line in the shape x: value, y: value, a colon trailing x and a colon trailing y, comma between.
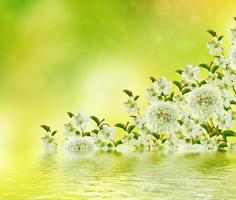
x: 229, y: 72
x: 224, y: 121
x: 191, y: 74
x: 227, y: 98
x: 128, y: 138
x: 80, y: 121
x: 212, y: 78
x: 107, y: 148
x: 162, y: 86
x: 229, y: 80
x: 49, y: 143
x: 180, y: 99
x: 131, y: 106
x: 162, y: 117
x: 145, y: 139
x: 204, y: 102
x: 107, y: 134
x: 232, y: 57
x: 191, y: 129
x: 193, y: 148
x: 69, y: 130
x: 221, y: 61
x: 123, y: 148
x: 226, y: 82
x: 215, y: 47
x: 139, y: 122
x: 204, y: 138
x: 233, y: 35
x: 151, y: 95
x: 50, y: 147
x: 170, y: 145
x: 214, y: 142
x: 79, y: 144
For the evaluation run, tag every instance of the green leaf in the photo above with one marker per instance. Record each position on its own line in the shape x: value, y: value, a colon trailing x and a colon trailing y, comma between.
x: 233, y: 102
x: 216, y: 132
x: 222, y: 146
x: 160, y: 98
x: 214, y: 68
x: 227, y: 109
x: 102, y: 124
x: 206, y: 127
x: 118, y: 142
x: 77, y: 132
x: 180, y: 122
x: 213, y: 33
x: 54, y: 133
x: 178, y: 84
x: 234, y: 18
x: 70, y: 114
x: 197, y: 141
x: 110, y: 145
x: 152, y: 79
x: 187, y: 140
x: 46, y: 128
x: 220, y: 38
x: 186, y: 90
x: 206, y: 66
x: 157, y: 136
x: 95, y: 131
x: 136, y: 97
x: 203, y: 82
x: 86, y: 134
x: 194, y: 85
x: 128, y: 92
x: 220, y: 75
x: 164, y: 140
x: 179, y: 71
x: 129, y: 130
x: 96, y: 120
x: 120, y: 125
x: 172, y: 94
x: 136, y: 135
x: 229, y: 133
x: 170, y: 98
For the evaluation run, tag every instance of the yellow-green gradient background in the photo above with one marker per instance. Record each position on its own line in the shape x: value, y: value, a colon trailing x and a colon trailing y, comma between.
x: 78, y: 55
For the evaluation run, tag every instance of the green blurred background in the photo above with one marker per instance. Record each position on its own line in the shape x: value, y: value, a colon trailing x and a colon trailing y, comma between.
x: 76, y: 55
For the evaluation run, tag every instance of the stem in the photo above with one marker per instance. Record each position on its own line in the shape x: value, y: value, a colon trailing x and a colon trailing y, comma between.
x: 82, y: 132
x: 165, y: 98
x: 211, y: 64
x: 198, y: 83
x: 150, y: 146
x: 212, y: 123
x: 186, y: 84
x: 101, y: 121
x: 234, y: 90
x: 126, y: 126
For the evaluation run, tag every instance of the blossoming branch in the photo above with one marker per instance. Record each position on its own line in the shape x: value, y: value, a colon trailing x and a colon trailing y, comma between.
x: 197, y: 115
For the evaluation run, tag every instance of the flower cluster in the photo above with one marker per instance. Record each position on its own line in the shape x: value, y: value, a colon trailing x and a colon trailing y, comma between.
x: 191, y: 113
x: 49, y: 140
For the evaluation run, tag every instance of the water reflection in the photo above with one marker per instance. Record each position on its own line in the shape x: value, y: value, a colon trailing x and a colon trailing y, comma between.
x: 130, y: 176
x: 213, y: 164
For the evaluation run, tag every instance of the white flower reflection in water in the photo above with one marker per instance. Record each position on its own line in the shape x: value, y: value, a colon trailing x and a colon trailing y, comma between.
x: 130, y: 176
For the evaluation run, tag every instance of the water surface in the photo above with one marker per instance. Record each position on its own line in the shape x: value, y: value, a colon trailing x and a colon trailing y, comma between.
x: 115, y: 176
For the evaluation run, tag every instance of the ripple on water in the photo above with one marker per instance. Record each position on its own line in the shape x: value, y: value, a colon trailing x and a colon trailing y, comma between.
x: 106, y: 176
